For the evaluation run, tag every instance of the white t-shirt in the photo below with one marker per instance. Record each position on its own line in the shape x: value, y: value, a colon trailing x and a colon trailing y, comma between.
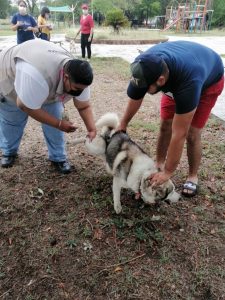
x: 32, y: 88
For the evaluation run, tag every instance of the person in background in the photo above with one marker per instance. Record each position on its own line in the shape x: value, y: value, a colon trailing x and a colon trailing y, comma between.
x: 24, y: 24
x: 36, y: 79
x: 43, y: 24
x: 86, y: 30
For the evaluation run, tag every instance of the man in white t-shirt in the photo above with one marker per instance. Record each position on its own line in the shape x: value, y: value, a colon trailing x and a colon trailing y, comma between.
x: 37, y: 80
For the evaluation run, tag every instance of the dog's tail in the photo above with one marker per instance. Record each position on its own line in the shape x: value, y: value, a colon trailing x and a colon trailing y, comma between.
x: 110, y: 120
x: 94, y: 147
x: 107, y: 123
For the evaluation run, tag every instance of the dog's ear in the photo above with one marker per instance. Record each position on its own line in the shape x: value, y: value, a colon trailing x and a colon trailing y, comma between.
x: 172, y: 196
x: 147, y: 174
x: 145, y: 182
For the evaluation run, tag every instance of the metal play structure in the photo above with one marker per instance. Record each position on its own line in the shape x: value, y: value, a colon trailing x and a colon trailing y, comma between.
x: 191, y: 16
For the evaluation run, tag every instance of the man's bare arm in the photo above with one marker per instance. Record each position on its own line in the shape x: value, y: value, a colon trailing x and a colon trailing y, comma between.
x: 42, y: 116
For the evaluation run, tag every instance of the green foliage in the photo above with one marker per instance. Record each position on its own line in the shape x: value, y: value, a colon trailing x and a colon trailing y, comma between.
x: 4, y: 7
x: 219, y: 13
x: 102, y: 6
x: 116, y: 19
x: 140, y: 234
x: 12, y: 10
x: 144, y: 125
x: 71, y: 244
x: 155, y: 8
x: 146, y: 9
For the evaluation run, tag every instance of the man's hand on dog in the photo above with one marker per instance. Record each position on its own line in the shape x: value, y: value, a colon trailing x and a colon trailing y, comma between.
x: 159, y: 178
x: 91, y: 134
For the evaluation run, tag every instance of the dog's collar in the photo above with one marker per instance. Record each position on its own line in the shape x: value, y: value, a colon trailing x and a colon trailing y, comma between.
x: 107, y: 140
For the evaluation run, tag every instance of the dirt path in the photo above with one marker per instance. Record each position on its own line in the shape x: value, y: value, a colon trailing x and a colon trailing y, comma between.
x: 59, y: 235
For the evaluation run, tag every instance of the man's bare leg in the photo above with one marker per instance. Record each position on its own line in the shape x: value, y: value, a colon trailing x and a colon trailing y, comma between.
x: 194, y: 154
x: 163, y: 142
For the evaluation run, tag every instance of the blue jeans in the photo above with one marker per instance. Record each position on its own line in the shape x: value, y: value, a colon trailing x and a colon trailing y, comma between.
x: 13, y: 121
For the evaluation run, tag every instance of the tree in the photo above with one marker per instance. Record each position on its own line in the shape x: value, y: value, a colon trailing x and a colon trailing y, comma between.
x: 4, y: 6
x: 155, y: 8
x: 138, y: 10
x: 219, y: 13
x: 165, y: 3
x: 31, y: 5
x: 102, y: 6
x: 150, y: 8
x: 116, y: 19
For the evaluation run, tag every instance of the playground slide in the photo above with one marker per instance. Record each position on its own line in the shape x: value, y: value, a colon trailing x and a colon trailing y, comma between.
x: 170, y: 25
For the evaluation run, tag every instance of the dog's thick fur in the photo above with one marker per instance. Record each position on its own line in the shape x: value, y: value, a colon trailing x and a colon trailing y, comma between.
x: 129, y: 165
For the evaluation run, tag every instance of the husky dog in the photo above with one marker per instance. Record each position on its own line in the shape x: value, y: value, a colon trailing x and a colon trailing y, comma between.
x: 129, y: 165
x: 72, y: 47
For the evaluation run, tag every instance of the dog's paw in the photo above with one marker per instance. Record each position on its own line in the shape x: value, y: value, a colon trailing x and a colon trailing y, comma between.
x: 118, y: 208
x: 173, y: 197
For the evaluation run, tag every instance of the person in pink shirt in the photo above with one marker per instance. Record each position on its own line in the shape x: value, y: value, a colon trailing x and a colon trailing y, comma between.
x: 86, y: 30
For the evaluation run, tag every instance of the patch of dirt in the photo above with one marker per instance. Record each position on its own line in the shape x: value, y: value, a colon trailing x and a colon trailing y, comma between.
x: 61, y: 239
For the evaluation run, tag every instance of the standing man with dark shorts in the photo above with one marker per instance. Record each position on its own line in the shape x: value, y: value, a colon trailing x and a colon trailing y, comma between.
x: 191, y: 76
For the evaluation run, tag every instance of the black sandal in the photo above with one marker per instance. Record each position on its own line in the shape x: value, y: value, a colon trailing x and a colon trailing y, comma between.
x: 192, y: 189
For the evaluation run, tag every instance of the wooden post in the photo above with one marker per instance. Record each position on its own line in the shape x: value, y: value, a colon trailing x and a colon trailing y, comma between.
x: 204, y: 14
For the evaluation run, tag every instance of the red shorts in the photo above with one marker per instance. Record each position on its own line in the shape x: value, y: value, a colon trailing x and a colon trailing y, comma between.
x: 206, y: 103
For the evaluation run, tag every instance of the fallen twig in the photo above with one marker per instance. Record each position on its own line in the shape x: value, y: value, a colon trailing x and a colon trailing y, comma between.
x: 122, y: 263
x: 90, y: 224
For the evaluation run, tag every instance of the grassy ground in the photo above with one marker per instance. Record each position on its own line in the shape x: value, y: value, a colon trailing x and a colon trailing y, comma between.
x: 125, y: 34
x: 5, y: 27
x: 213, y: 32
x: 5, y: 30
x: 143, y: 34
x: 100, y: 32
x: 60, y: 238
x: 107, y: 32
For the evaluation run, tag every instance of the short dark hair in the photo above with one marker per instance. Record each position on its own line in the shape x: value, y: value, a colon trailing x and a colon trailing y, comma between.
x: 79, y: 71
x: 21, y: 1
x: 44, y: 10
